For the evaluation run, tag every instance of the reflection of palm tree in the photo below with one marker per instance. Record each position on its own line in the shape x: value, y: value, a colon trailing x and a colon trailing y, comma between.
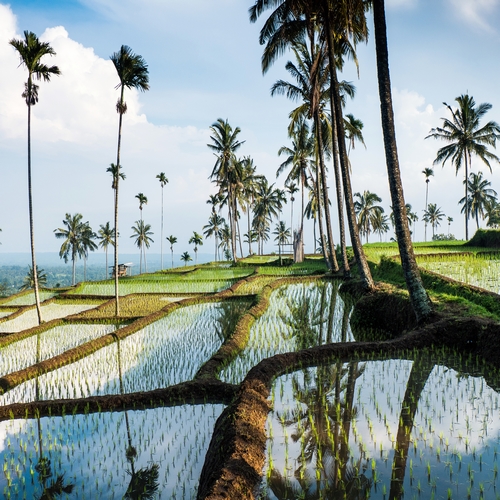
x: 143, y: 482
x: 420, y: 371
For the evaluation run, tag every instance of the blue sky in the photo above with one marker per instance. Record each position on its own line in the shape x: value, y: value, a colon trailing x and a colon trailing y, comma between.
x: 204, y: 62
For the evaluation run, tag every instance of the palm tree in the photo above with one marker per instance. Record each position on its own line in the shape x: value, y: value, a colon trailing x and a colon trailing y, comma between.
x: 267, y: 205
x: 115, y: 174
x: 227, y: 171
x: 353, y: 131
x: 428, y: 172
x: 367, y: 211
x: 163, y: 180
x: 133, y: 73
x: 196, y: 240
x: 31, y: 51
x: 142, y: 234
x: 143, y: 200
x: 73, y: 235
x: 291, y: 189
x: 29, y: 279
x: 225, y: 241
x: 88, y: 237
x: 418, y: 296
x: 282, y: 234
x: 106, y: 235
x: 466, y: 137
x: 479, y: 198
x: 450, y: 220
x: 299, y: 157
x: 380, y: 223
x: 433, y: 216
x: 172, y: 240
x: 214, y: 228
x: 185, y: 257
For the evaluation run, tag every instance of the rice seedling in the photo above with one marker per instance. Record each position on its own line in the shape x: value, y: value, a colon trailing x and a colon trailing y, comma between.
x: 47, y: 344
x: 321, y: 406
x: 100, y: 453
x: 165, y: 352
x: 28, y: 298
x: 298, y: 316
x: 50, y: 311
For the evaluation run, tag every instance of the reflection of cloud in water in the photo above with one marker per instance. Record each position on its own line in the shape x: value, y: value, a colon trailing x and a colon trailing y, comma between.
x: 91, y: 450
x: 166, y: 352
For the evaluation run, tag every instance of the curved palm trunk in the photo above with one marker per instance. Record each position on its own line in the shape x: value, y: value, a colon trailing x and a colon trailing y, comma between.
x: 357, y: 246
x: 239, y: 236
x: 107, y: 269
x: 320, y: 216
x: 120, y: 120
x: 418, y: 296
x: 32, y: 227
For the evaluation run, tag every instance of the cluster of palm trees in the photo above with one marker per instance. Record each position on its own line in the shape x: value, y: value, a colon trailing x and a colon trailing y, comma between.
x: 239, y: 188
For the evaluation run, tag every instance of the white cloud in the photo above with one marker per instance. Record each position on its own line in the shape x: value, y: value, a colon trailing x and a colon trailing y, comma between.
x: 401, y: 3
x: 475, y: 12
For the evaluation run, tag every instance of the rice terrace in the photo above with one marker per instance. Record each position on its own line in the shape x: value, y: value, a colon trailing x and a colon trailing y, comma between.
x: 303, y: 359
x: 270, y: 385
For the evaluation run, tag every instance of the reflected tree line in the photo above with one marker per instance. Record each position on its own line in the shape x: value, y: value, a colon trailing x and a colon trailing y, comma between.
x: 323, y: 418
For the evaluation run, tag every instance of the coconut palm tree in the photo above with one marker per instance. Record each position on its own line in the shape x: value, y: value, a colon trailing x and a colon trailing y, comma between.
x: 450, y: 220
x: 73, y: 234
x: 291, y: 189
x: 466, y: 137
x: 227, y: 171
x: 88, y: 245
x: 142, y: 234
x: 196, y: 240
x: 380, y: 223
x: 31, y: 51
x: 428, y: 172
x: 214, y: 228
x: 418, y: 297
x: 268, y: 204
x: 106, y: 237
x: 283, y: 235
x: 299, y: 157
x: 172, y: 240
x: 185, y: 257
x: 353, y: 131
x: 133, y: 74
x: 479, y: 198
x: 433, y: 216
x: 29, y: 279
x: 163, y: 180
x: 143, y: 200
x: 367, y: 211
x: 116, y: 173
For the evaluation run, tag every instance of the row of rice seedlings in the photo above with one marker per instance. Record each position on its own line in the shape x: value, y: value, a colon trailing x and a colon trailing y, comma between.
x: 299, y: 316
x: 4, y: 312
x: 28, y: 298
x: 384, y: 429
x: 132, y: 286
x: 307, y: 267
x: 45, y: 345
x: 102, y: 454
x: 260, y: 259
x: 50, y: 311
x: 218, y: 273
x: 471, y: 270
x: 254, y: 285
x: 164, y: 353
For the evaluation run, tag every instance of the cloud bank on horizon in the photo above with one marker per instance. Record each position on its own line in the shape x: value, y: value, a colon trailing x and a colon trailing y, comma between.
x: 75, y: 121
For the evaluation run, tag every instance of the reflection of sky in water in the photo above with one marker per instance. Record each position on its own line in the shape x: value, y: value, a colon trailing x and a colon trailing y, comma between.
x: 277, y: 330
x: 456, y: 432
x: 164, y: 353
x: 91, y: 451
x: 22, y: 354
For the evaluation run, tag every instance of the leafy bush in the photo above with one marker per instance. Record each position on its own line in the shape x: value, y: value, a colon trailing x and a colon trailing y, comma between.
x: 485, y: 238
x: 443, y: 237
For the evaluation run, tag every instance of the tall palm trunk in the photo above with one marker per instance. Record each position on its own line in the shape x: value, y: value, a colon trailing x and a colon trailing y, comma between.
x: 249, y: 230
x: 320, y: 216
x: 32, y: 227
x: 467, y: 159
x: 426, y: 205
x: 161, y: 236
x: 120, y: 120
x: 332, y: 260
x: 357, y: 246
x: 418, y: 296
